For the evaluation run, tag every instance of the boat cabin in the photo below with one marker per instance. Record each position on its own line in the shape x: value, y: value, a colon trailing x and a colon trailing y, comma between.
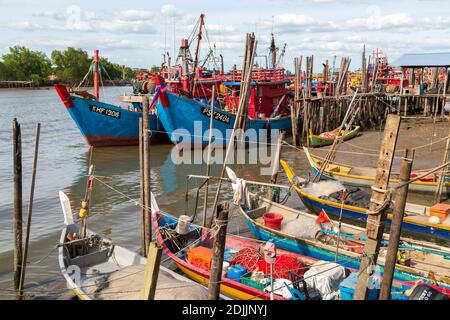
x: 267, y: 100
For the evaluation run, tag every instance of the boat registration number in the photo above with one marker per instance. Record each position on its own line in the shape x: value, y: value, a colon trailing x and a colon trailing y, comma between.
x: 217, y: 115
x: 105, y: 111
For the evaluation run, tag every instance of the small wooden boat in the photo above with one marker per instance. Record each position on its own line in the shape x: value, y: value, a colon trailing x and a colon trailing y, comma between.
x: 364, y: 176
x: 97, y: 269
x: 301, y: 234
x: 327, y: 138
x: 416, y: 220
x: 176, y: 246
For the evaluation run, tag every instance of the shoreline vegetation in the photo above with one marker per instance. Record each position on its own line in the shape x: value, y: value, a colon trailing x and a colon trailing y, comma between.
x: 22, y: 68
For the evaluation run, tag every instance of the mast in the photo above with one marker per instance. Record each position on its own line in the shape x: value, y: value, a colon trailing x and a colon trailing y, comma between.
x: 199, y: 39
x: 96, y: 78
x: 273, y: 52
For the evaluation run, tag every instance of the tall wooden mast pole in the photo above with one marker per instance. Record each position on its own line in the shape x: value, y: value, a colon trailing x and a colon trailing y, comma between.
x: 378, y: 203
x: 199, y: 39
x: 96, y: 77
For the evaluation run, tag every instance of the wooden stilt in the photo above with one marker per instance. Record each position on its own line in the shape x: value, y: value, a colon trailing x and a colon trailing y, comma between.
x: 17, y: 224
x: 30, y: 212
x: 218, y: 251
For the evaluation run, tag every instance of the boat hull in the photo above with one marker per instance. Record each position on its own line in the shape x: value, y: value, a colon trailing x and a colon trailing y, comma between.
x: 361, y: 181
x: 318, y: 141
x: 187, y: 121
x: 104, y: 125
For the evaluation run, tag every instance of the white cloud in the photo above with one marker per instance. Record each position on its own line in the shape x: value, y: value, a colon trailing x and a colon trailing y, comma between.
x: 24, y: 26
x: 135, y: 15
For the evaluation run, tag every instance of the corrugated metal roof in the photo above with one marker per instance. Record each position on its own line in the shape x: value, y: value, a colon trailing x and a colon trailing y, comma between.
x: 439, y: 59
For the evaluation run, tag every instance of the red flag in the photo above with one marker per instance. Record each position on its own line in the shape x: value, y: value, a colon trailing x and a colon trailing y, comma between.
x: 344, y: 195
x: 323, y: 217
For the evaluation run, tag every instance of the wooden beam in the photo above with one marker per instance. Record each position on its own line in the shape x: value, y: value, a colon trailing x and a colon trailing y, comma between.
x: 377, y: 216
x: 151, y: 271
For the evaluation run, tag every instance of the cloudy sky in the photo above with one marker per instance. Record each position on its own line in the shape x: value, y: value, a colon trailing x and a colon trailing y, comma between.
x: 136, y: 33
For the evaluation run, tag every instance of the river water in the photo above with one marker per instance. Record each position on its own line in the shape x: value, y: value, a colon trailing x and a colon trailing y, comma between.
x: 62, y: 165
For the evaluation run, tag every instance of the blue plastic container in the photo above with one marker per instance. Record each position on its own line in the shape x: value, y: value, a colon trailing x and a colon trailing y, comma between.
x: 236, y: 272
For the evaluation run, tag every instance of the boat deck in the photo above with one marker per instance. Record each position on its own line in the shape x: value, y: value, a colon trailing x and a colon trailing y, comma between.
x: 126, y: 283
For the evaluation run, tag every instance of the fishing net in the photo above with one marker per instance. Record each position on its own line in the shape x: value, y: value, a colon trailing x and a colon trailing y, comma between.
x: 252, y: 260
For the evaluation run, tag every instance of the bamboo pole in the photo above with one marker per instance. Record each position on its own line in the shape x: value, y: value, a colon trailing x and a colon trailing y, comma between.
x: 251, y: 45
x: 441, y: 177
x: 396, y: 226
x: 17, y: 224
x: 146, y: 156
x: 141, y: 175
x: 208, y: 163
x: 248, y: 181
x: 218, y: 252
x: 30, y: 212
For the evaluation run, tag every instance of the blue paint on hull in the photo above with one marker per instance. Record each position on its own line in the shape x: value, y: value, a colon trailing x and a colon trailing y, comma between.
x: 100, y: 129
x: 185, y: 121
x: 414, y: 228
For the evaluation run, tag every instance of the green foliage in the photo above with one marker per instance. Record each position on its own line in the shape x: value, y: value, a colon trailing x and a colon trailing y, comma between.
x: 20, y: 63
x: 5, y: 72
x: 70, y: 65
x: 155, y: 69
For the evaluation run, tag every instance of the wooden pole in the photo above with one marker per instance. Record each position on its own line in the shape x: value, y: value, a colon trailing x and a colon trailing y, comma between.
x: 146, y: 156
x: 441, y: 177
x: 218, y: 251
x: 396, y: 226
x: 141, y: 173
x: 377, y: 216
x: 208, y: 163
x: 296, y: 104
x: 151, y: 271
x: 17, y: 224
x: 30, y: 212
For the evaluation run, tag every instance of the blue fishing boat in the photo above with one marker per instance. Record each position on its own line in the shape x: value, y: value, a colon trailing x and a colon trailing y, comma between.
x: 416, y: 220
x: 187, y: 121
x: 103, y: 124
